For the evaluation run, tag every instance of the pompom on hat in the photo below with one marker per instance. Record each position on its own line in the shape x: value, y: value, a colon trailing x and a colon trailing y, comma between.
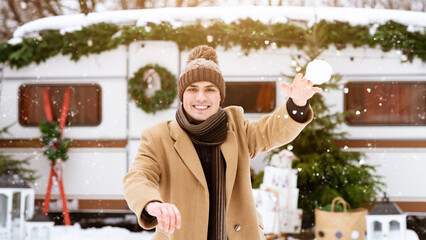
x: 202, y: 65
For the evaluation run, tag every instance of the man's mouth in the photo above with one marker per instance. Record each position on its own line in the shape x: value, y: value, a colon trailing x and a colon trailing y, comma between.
x: 200, y: 107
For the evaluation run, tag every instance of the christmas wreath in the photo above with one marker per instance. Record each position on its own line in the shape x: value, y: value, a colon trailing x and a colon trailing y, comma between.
x: 153, y: 88
x: 51, y: 138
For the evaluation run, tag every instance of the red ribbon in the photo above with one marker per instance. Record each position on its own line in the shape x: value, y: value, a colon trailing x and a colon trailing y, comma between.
x: 64, y: 110
x: 53, y: 174
x: 47, y: 107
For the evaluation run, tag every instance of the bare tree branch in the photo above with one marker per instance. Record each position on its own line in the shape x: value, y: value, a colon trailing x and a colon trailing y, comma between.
x: 16, y: 15
x: 124, y: 4
x: 93, y: 7
x: 179, y: 3
x: 39, y: 9
x: 49, y: 8
x: 195, y: 3
x: 5, y: 32
x: 58, y: 6
x: 140, y: 4
x: 83, y: 6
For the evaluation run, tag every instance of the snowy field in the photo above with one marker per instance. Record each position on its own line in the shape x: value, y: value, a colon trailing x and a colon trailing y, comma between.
x: 105, y: 233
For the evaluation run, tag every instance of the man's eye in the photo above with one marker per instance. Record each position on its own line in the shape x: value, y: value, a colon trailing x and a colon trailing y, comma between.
x: 211, y: 90
x: 191, y: 89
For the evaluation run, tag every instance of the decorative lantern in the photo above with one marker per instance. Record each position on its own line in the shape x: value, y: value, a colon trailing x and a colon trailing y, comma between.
x: 39, y: 227
x: 16, y: 204
x: 386, y: 221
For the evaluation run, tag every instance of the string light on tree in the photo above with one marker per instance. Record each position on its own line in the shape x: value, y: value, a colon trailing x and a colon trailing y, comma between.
x: 148, y: 27
x: 210, y: 38
x: 338, y: 49
x: 90, y: 42
x: 266, y: 42
x: 274, y: 45
x: 404, y: 57
x: 298, y: 59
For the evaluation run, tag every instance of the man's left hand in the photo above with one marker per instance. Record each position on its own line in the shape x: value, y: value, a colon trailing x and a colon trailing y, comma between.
x: 300, y: 90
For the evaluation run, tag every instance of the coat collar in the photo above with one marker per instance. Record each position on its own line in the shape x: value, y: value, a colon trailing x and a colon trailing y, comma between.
x: 188, y: 155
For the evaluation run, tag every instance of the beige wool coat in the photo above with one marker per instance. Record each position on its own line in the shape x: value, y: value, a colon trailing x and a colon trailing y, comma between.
x: 167, y: 169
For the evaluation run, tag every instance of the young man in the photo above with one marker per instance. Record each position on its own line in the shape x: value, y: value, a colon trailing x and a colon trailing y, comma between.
x: 191, y: 176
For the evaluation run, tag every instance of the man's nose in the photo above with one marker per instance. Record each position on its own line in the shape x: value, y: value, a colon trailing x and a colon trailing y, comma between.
x: 200, y: 95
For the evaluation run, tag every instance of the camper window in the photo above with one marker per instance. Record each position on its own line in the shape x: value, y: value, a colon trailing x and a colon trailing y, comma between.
x: 254, y: 97
x: 386, y: 103
x: 85, y: 106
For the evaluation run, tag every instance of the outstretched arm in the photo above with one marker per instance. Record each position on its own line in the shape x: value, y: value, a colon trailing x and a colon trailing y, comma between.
x: 285, y: 123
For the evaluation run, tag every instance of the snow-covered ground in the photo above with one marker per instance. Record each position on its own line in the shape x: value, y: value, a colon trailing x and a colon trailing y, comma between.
x: 116, y: 233
x: 106, y: 233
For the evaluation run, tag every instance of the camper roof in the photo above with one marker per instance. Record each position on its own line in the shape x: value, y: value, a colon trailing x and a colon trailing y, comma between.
x: 180, y: 16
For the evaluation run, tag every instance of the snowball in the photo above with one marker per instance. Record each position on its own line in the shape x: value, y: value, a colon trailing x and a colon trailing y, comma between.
x: 318, y: 72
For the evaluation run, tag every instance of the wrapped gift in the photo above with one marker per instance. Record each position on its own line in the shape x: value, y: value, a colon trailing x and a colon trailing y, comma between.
x: 277, y: 219
x: 279, y: 178
x: 287, y: 197
x: 266, y: 205
x: 291, y: 220
x: 283, y: 159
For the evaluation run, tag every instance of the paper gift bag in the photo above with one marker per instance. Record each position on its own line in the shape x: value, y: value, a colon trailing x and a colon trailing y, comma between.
x: 346, y: 225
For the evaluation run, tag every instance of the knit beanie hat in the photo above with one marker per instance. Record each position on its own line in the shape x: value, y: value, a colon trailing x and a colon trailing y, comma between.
x: 202, y: 65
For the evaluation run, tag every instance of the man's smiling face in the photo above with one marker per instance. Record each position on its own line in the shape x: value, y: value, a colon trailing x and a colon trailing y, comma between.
x: 201, y: 100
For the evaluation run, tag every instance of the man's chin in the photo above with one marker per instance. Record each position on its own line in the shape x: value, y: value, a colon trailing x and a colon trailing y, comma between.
x: 201, y: 117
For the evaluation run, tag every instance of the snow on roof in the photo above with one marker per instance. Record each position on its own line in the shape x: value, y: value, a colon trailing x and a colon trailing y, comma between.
x: 265, y: 14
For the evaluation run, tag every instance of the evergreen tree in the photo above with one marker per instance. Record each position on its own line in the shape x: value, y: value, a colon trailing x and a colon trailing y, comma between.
x: 7, y: 161
x: 325, y: 171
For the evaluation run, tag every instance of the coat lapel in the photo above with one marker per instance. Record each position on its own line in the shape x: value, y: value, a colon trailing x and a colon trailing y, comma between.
x: 230, y: 153
x: 187, y: 153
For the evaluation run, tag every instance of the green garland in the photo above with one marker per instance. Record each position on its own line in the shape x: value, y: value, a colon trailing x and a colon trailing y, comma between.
x: 247, y: 33
x: 51, y: 138
x: 162, y: 99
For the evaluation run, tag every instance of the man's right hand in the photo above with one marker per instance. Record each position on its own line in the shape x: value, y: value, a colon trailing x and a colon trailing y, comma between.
x: 168, y: 216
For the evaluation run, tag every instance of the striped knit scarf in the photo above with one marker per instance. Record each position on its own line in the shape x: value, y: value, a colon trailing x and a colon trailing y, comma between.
x: 211, y: 132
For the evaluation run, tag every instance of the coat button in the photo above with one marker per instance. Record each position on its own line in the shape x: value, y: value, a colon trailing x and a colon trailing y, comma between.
x: 237, y: 228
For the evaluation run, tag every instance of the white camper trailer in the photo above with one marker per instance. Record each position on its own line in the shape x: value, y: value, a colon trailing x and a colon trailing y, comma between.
x: 104, y: 148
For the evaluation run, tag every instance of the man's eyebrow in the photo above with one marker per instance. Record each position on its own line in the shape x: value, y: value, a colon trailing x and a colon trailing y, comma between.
x: 208, y: 86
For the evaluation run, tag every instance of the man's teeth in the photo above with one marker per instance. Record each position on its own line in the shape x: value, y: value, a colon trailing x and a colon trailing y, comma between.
x: 200, y: 107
